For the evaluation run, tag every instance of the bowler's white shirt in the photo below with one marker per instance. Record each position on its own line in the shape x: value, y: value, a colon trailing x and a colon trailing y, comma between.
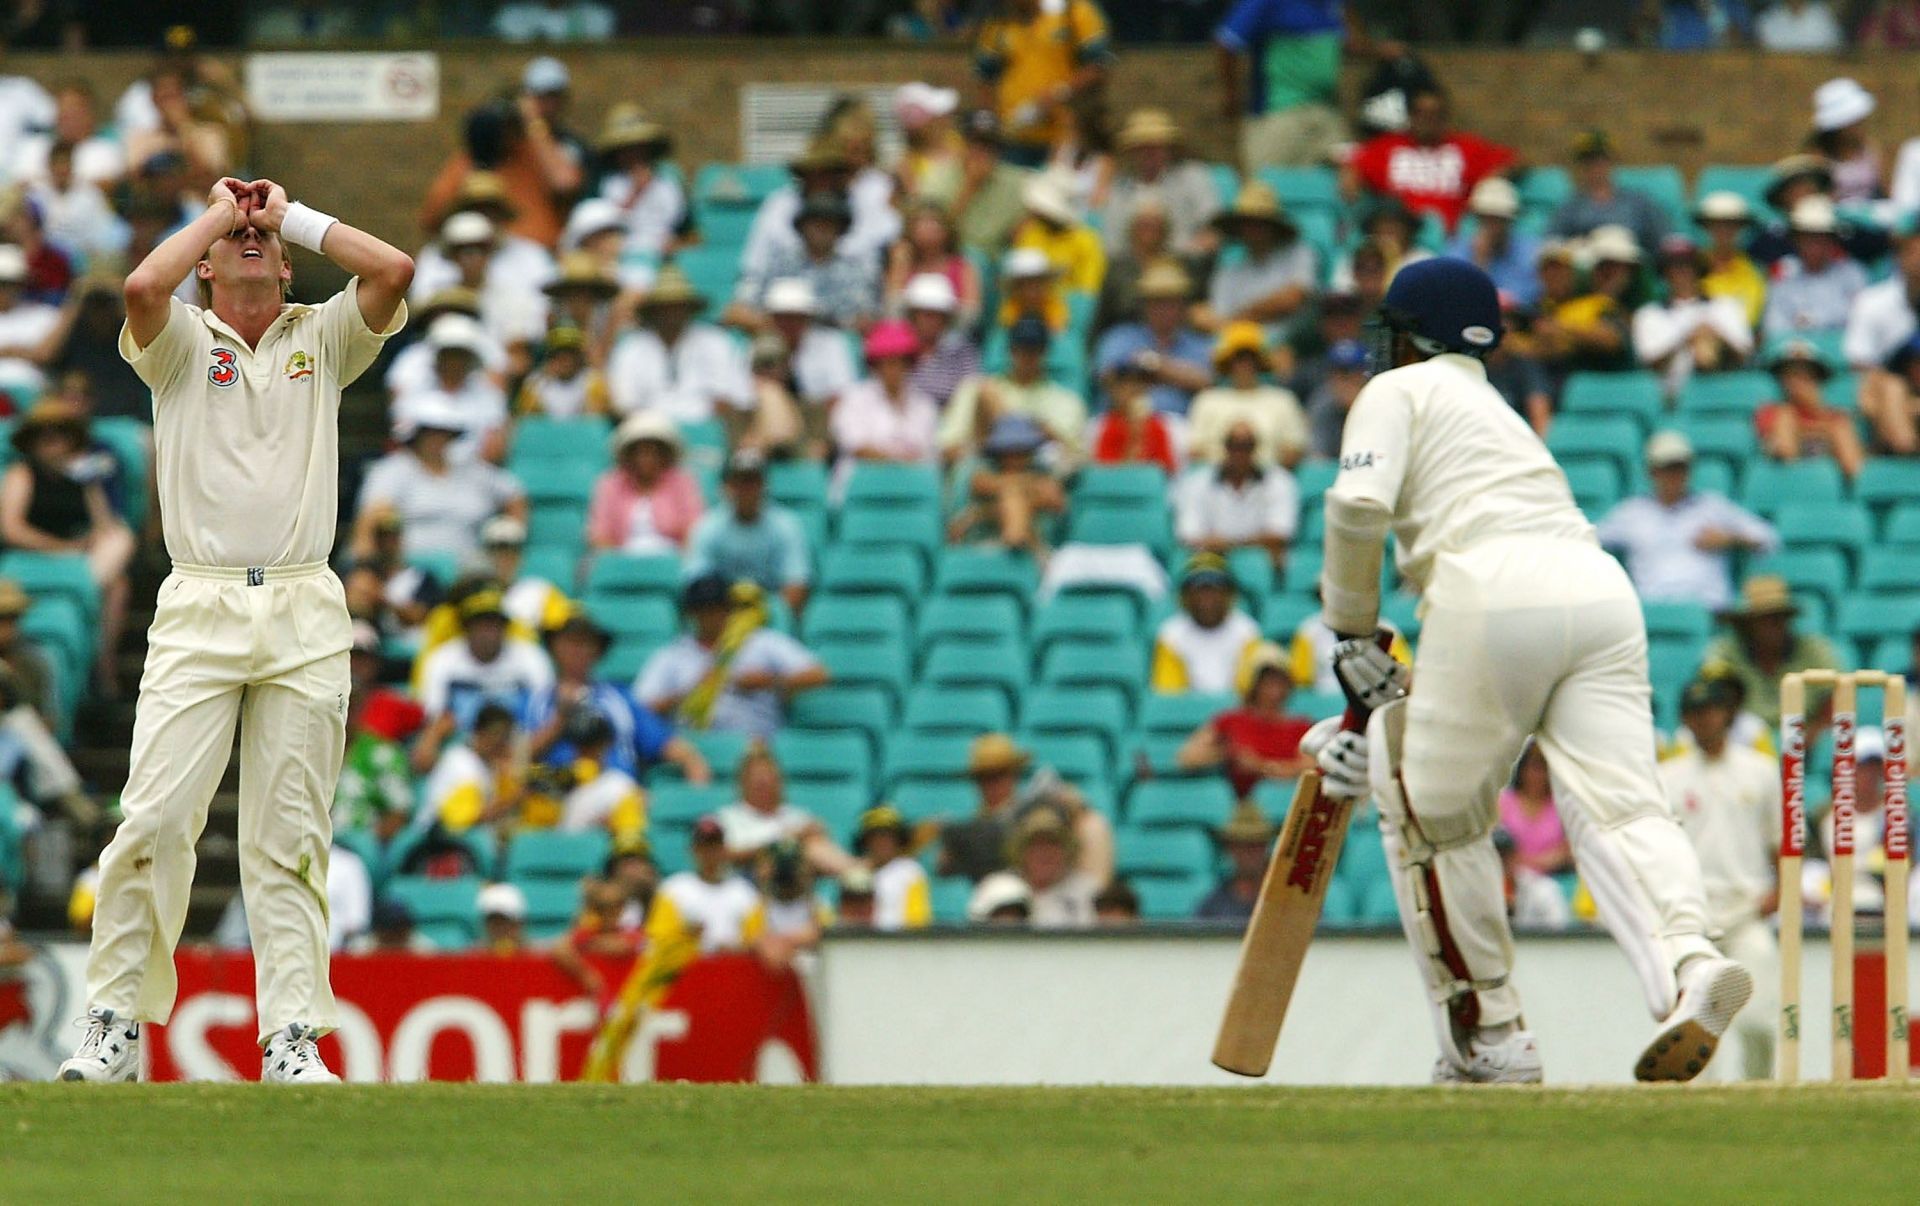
x: 246, y: 441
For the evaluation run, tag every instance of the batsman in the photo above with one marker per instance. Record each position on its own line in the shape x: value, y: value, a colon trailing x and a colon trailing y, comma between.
x: 1528, y: 628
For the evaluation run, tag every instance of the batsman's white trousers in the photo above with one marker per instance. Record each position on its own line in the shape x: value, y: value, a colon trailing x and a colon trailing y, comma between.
x: 266, y: 648
x: 1542, y: 636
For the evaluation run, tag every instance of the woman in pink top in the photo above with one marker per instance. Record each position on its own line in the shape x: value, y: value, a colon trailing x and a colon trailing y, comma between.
x: 932, y: 245
x: 1526, y: 812
x: 646, y: 503
x: 884, y: 418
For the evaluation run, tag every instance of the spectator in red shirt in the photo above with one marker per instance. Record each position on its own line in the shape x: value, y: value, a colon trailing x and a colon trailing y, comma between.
x: 1259, y: 739
x: 1131, y: 431
x: 1430, y: 167
x: 1802, y: 426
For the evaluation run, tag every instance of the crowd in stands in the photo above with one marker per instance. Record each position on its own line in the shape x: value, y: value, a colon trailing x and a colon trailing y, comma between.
x: 938, y: 538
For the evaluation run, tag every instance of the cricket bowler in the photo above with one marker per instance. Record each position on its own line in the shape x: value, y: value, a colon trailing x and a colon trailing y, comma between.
x: 1528, y: 628
x: 251, y: 626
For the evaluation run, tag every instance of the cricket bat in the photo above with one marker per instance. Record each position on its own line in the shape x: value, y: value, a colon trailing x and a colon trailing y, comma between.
x: 1283, y: 921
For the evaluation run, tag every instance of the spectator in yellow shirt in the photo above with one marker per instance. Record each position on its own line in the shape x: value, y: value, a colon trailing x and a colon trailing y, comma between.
x: 1032, y: 61
x: 1731, y: 272
x: 1052, y: 226
x: 902, y: 900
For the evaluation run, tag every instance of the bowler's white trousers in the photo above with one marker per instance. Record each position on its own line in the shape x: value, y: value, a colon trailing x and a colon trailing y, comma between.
x: 1542, y: 636
x: 266, y: 648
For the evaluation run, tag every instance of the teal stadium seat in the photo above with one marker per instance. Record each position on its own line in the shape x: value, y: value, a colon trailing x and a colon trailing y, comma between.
x: 813, y: 756
x: 1180, y: 802
x: 969, y: 711
x: 1903, y: 525
x: 1083, y: 619
x: 1810, y: 573
x: 1079, y: 758
x: 65, y: 574
x: 1723, y: 435
x: 1608, y: 437
x: 555, y: 482
x: 1252, y: 569
x: 539, y: 439
x: 858, y: 571
x: 1303, y: 187
x: 1120, y: 666
x: 920, y: 756
x: 1595, y: 484
x: 1182, y: 714
x: 1866, y: 619
x: 1097, y: 711
x: 863, y: 663
x: 1162, y: 852
x: 982, y: 621
x: 889, y: 486
x: 723, y: 751
x: 549, y: 854
x: 857, y: 618
x: 801, y: 485
x: 1634, y: 395
x: 1121, y: 524
x: 1660, y: 181
x: 1154, y: 756
x: 713, y: 270
x: 130, y: 439
x: 1677, y: 619
x: 1736, y: 394
x: 552, y: 906
x: 927, y: 798
x: 1771, y: 485
x: 1003, y: 667
x: 1889, y: 570
x: 862, y: 709
x: 949, y: 894
x: 557, y: 524
x: 1283, y: 615
x: 1545, y: 188
x: 361, y: 842
x: 444, y: 910
x: 1844, y: 526
x: 1170, y: 897
x: 677, y: 804
x: 630, y: 574
x: 918, y: 529
x: 971, y: 571
x: 1317, y: 705
x: 743, y: 184
x: 1887, y: 482
x: 1748, y: 180
x: 642, y: 618
x: 1313, y: 478
x: 1133, y: 485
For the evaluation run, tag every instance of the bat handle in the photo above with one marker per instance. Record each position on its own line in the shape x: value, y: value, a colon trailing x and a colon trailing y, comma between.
x: 1354, y: 720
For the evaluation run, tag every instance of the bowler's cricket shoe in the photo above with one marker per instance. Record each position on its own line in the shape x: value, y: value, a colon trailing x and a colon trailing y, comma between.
x: 292, y: 1057
x: 1712, y: 990
x: 110, y: 1052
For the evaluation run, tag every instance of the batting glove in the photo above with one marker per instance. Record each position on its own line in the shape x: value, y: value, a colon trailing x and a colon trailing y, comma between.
x: 1368, y: 674
x: 1342, y: 758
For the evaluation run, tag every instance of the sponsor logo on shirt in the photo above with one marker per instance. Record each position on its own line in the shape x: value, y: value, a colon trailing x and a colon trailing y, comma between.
x: 221, y: 372
x: 1362, y: 460
x: 299, y: 365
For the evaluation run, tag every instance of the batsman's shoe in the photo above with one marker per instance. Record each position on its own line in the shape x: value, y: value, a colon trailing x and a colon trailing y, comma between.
x: 1513, y: 1060
x: 292, y: 1057
x: 1712, y: 990
x: 109, y: 1052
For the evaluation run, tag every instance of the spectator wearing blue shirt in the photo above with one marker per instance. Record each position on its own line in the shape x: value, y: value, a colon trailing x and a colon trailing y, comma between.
x: 1503, y: 253
x: 1291, y: 94
x: 1179, y: 357
x: 640, y: 738
x: 1701, y: 24
x: 750, y: 539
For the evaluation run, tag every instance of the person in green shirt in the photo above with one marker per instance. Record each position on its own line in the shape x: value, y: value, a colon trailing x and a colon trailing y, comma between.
x: 1292, y: 51
x: 376, y: 792
x: 989, y: 204
x: 1761, y: 646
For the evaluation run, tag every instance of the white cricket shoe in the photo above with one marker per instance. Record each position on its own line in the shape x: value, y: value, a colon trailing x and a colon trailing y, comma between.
x: 1712, y: 990
x: 110, y: 1052
x: 292, y: 1057
x: 1513, y: 1060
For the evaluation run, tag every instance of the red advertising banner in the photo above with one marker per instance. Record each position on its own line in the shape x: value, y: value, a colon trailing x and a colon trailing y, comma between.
x: 483, y: 1018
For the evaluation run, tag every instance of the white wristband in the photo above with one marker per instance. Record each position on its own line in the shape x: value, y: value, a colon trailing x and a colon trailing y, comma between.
x: 305, y: 226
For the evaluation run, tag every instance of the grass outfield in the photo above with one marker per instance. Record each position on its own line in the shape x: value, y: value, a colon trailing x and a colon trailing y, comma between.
x: 214, y: 1145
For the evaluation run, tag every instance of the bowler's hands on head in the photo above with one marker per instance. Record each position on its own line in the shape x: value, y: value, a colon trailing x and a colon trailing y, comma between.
x: 269, y: 206
x: 237, y: 192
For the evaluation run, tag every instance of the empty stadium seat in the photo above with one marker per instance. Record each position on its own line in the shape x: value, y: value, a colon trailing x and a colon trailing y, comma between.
x: 1086, y: 619
x: 723, y: 751
x: 991, y: 620
x: 811, y: 756
x: 1545, y: 187
x: 1675, y: 618
x: 1150, y: 756
x: 858, y: 708
x: 1747, y: 180
x: 1889, y: 570
x: 1903, y: 525
x: 1730, y: 436
x: 1170, y: 897
x: 1138, y: 485
x: 926, y: 798
x: 1100, y: 711
x: 1634, y: 395
x: 1182, y: 713
x: 1121, y: 666
x: 886, y: 485
x: 54, y: 574
x: 1596, y: 485
x: 948, y: 895
x: 677, y: 804
x: 555, y: 482
x: 1844, y: 526
x: 568, y: 441
x: 975, y: 571
x: 1887, y: 481
x: 919, y: 756
x: 858, y: 571
x: 866, y: 664
x: 445, y: 911
x: 552, y: 906
x: 1771, y: 485
x: 800, y: 485
x: 1736, y: 394
x: 1203, y: 802
x: 835, y: 803
x: 1002, y: 666
x: 1079, y: 758
x: 872, y: 527
x: 1303, y: 187
x: 934, y: 708
x: 1313, y: 478
x: 1252, y: 570
x: 1121, y: 524
x: 549, y: 854
x: 1809, y: 573
x: 1660, y: 181
x: 1600, y: 436
x: 1283, y: 614
x: 631, y: 574
x: 1866, y: 619
x: 652, y: 618
x: 1162, y: 852
x: 881, y: 618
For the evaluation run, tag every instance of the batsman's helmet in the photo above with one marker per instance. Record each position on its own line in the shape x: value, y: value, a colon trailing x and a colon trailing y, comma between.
x: 1441, y: 304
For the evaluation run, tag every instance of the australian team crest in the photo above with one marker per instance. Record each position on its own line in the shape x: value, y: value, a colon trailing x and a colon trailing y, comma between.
x: 299, y: 365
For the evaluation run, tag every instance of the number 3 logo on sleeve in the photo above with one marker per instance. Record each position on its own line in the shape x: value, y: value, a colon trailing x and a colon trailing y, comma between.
x: 221, y: 372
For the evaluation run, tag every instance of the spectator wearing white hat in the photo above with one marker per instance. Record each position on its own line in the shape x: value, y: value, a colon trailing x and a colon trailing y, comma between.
x: 645, y: 503
x: 546, y: 91
x: 461, y: 387
x: 931, y: 164
x: 947, y: 355
x: 439, y: 500
x: 1686, y: 332
x: 411, y: 370
x: 650, y: 202
x: 846, y: 288
x: 931, y: 246
x: 1507, y: 255
x: 30, y: 332
x: 1726, y: 218
x: 821, y: 357
x: 1053, y: 228
x: 1151, y: 161
x: 675, y: 363
x: 503, y: 919
x: 471, y: 248
x: 1840, y: 111
x: 1678, y: 542
x: 1030, y: 288
x: 1815, y: 287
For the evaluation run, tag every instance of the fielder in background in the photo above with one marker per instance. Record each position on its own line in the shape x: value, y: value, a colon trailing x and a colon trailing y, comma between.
x: 251, y: 627
x: 1530, y: 628
x: 1726, y: 795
